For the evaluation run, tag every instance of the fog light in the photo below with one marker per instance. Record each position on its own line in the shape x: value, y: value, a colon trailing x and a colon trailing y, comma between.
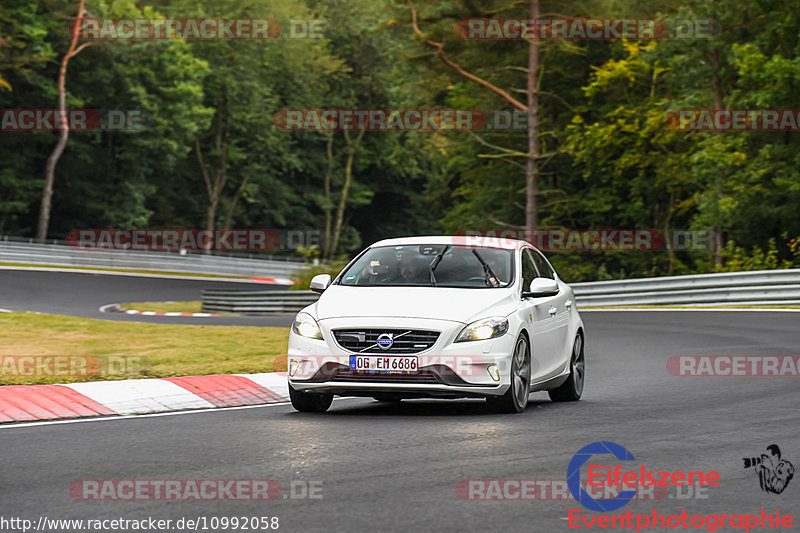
x: 294, y: 364
x: 494, y: 372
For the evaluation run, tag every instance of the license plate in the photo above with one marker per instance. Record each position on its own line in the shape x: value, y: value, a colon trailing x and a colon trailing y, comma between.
x: 382, y: 364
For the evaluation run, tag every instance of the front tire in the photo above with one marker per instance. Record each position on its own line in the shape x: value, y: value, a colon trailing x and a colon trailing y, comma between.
x: 571, y: 390
x: 309, y: 402
x: 515, y: 400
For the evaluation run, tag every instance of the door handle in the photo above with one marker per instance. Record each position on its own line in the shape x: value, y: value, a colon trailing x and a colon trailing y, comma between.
x: 552, y: 311
x: 568, y: 303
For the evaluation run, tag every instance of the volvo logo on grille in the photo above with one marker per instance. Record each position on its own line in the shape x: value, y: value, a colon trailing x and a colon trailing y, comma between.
x: 385, y: 340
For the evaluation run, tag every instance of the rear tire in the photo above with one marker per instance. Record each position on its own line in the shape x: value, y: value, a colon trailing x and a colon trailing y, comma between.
x: 515, y: 400
x: 310, y: 402
x: 571, y: 390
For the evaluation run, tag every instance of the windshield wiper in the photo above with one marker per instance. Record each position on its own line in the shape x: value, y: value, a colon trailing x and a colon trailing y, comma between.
x: 491, y: 278
x: 435, y: 263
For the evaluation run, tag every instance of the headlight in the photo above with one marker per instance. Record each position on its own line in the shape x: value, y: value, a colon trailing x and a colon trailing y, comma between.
x: 305, y: 326
x: 480, y: 330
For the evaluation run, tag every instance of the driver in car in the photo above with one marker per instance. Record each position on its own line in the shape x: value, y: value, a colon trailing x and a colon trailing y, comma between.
x: 411, y: 270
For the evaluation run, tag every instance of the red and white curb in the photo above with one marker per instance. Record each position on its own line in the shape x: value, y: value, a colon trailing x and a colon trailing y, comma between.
x: 276, y: 281
x: 115, y: 308
x: 139, y: 396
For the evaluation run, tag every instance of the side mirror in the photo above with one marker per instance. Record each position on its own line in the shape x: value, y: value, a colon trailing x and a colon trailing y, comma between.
x: 541, y: 287
x: 320, y: 282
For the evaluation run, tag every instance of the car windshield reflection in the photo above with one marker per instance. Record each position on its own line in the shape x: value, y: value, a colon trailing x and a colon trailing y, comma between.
x: 432, y: 266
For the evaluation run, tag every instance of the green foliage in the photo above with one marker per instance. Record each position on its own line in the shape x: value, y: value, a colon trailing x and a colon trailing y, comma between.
x: 737, y: 258
x: 611, y: 159
x: 304, y: 276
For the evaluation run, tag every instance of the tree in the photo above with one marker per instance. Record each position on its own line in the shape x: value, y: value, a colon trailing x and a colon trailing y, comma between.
x: 532, y: 108
x: 50, y: 169
x: 350, y: 151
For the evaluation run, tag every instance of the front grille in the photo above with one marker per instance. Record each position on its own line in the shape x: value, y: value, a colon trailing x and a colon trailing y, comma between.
x: 345, y: 374
x: 403, y: 340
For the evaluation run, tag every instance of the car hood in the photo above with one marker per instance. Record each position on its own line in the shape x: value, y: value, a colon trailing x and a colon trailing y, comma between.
x: 458, y: 305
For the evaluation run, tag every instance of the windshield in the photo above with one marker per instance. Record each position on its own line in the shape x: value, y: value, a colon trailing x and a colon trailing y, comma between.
x: 432, y: 266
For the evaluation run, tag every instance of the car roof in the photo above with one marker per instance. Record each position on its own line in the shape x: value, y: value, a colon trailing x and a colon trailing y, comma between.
x: 487, y: 242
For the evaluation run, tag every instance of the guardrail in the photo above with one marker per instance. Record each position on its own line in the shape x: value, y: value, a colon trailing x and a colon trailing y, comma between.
x: 193, y: 263
x: 759, y: 287
x: 256, y: 302
x: 762, y: 287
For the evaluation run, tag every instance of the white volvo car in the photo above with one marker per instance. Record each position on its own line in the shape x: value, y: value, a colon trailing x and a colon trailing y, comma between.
x: 439, y: 317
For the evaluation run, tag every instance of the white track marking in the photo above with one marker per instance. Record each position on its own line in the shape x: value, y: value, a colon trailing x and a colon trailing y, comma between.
x: 139, y: 396
x: 107, y: 309
x: 274, y: 381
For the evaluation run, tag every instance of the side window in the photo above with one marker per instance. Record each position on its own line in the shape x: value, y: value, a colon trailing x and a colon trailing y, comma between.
x: 528, y: 270
x: 544, y: 268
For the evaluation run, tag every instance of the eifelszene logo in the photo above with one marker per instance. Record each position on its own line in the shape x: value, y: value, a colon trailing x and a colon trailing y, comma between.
x: 774, y: 473
x: 617, y: 476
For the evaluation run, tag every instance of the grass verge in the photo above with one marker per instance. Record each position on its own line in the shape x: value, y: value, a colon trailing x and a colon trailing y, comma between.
x: 123, y: 350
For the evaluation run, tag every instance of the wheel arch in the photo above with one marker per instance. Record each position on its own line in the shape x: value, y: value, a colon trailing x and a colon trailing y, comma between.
x: 524, y: 333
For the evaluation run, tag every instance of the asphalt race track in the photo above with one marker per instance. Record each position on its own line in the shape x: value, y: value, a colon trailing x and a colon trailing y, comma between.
x: 386, y: 467
x: 82, y: 294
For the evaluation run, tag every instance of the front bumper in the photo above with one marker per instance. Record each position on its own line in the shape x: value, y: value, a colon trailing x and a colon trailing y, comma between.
x: 446, y: 369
